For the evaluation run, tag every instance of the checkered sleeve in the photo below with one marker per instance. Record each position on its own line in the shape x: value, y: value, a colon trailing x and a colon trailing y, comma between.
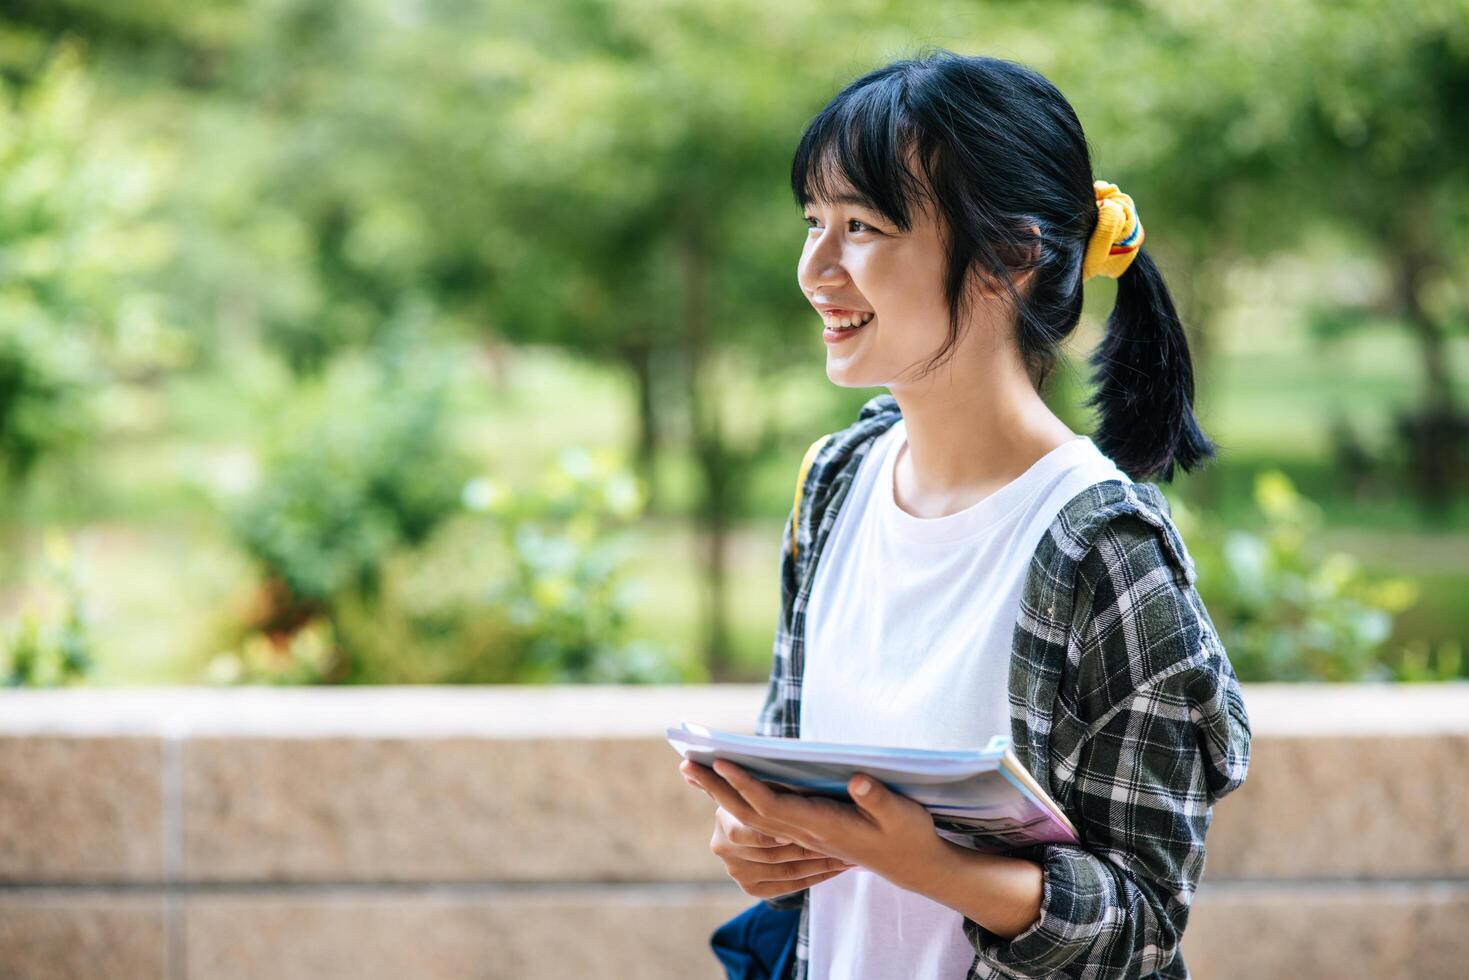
x: 1163, y: 736
x: 776, y: 718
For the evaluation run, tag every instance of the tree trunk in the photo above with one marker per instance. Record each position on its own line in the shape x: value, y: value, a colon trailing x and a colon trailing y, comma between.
x: 1438, y: 384
x: 708, y: 451
x: 1204, y: 299
x: 638, y: 356
x: 1436, y: 433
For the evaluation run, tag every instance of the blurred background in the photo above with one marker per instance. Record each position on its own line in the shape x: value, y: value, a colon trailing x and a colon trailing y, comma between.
x: 442, y: 342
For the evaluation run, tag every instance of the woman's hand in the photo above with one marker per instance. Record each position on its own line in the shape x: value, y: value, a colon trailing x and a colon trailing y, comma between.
x: 886, y: 832
x: 766, y: 866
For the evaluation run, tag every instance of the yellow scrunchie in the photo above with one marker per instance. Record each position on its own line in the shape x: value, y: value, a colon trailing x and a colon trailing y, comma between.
x: 1118, y: 236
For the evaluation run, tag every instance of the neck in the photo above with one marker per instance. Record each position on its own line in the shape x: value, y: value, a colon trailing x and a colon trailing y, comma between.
x: 970, y: 436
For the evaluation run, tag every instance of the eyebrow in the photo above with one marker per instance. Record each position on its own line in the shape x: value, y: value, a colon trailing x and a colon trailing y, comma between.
x: 852, y: 199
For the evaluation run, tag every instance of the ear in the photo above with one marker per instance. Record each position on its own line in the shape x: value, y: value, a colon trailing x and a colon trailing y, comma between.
x: 1029, y: 258
x: 1015, y: 257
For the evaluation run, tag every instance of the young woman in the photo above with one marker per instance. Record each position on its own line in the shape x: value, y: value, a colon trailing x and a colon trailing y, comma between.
x: 960, y: 563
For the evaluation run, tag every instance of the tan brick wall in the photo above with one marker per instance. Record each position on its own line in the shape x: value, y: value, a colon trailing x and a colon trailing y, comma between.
x: 440, y: 833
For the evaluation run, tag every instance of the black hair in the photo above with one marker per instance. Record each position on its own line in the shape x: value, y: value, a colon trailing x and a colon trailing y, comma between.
x: 1001, y: 151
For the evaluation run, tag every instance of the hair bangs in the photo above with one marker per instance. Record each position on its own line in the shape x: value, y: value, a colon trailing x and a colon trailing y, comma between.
x: 855, y: 152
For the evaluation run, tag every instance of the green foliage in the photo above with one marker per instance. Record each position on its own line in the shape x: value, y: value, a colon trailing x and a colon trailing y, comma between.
x: 553, y: 606
x: 308, y: 655
x: 563, y: 593
x: 365, y: 468
x: 79, y: 241
x: 1421, y: 662
x: 43, y: 408
x: 1283, y: 614
x: 195, y: 180
x: 423, y: 629
x: 51, y: 646
x: 360, y: 469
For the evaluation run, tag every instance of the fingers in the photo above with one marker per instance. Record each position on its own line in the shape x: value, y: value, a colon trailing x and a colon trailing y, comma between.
x: 720, y: 791
x: 785, y: 854
x: 695, y: 784
x: 775, y: 889
x: 749, y: 852
x: 816, y: 866
x: 740, y: 840
x: 759, y: 796
x: 744, y: 834
x: 823, y: 875
x: 798, y: 874
x: 747, y: 836
x: 772, y: 815
x: 735, y: 839
x: 764, y: 864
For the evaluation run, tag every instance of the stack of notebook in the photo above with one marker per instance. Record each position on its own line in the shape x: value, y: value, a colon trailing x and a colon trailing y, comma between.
x: 982, y: 799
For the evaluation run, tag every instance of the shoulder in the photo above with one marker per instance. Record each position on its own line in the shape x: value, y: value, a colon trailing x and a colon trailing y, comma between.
x: 1113, y: 584
x: 836, y: 455
x: 1114, y: 532
x: 1137, y: 614
x: 1116, y: 514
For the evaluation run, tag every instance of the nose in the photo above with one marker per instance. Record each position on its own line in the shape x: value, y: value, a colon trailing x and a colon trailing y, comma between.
x: 820, y: 265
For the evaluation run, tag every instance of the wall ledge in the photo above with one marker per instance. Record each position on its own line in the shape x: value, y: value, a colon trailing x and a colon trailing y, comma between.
x: 592, y: 711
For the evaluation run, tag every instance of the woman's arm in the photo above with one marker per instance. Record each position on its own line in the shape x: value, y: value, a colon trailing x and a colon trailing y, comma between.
x: 1151, y: 762
x: 1001, y: 891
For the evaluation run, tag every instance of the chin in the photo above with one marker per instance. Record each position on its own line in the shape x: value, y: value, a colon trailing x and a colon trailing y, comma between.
x: 843, y: 376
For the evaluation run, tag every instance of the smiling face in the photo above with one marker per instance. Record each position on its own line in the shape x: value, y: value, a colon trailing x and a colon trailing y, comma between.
x: 857, y: 260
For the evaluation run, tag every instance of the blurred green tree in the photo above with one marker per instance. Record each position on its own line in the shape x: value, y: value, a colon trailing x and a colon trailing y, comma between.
x: 78, y: 241
x: 1385, y: 134
x: 358, y: 469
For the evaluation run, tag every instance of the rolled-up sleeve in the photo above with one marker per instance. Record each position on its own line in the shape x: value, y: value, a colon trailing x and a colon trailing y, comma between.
x: 1144, y: 781
x: 1078, y: 903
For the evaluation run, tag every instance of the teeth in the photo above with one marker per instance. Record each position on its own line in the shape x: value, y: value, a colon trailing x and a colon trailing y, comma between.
x: 847, y: 322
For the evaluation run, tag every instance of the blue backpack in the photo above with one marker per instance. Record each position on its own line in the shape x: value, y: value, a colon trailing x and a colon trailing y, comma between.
x: 759, y: 943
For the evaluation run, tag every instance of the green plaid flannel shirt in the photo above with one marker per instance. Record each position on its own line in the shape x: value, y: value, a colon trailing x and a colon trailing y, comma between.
x: 1123, y: 704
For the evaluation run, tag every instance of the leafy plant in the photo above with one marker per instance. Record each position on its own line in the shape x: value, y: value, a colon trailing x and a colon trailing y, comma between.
x: 309, y: 655
x: 361, y: 469
x: 420, y: 630
x: 1419, y: 662
x: 1283, y: 614
x: 43, y: 408
x: 563, y: 594
x: 50, y: 648
x: 364, y: 470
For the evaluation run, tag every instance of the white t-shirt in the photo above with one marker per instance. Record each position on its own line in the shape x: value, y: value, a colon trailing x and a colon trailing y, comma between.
x: 908, y: 638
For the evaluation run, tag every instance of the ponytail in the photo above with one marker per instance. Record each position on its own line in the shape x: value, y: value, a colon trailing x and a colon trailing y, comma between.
x: 1145, y: 381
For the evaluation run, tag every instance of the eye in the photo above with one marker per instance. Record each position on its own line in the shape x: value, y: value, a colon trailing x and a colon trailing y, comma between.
x: 864, y: 226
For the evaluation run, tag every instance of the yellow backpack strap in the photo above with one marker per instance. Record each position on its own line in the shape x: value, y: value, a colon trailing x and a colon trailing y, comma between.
x: 801, y: 485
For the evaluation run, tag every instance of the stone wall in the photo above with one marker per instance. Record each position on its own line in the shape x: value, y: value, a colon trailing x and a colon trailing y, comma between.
x: 443, y: 833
